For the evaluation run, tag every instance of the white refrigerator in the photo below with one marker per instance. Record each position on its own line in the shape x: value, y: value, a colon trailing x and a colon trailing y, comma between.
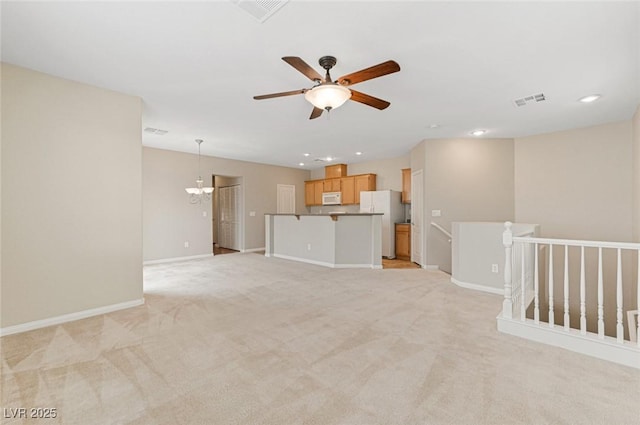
x: 388, y: 203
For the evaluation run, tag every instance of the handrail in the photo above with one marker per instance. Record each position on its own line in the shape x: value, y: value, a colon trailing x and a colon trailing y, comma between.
x: 573, y: 242
x: 442, y: 229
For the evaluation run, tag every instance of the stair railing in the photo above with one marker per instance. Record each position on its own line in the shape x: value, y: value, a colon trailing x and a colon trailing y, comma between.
x: 522, y: 287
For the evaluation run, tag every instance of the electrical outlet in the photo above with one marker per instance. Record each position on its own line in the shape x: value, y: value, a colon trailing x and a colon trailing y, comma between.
x: 308, y: 247
x: 494, y: 268
x: 186, y: 244
x: 204, y: 213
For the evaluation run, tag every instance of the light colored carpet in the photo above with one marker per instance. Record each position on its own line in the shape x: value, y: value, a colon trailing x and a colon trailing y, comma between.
x: 244, y: 339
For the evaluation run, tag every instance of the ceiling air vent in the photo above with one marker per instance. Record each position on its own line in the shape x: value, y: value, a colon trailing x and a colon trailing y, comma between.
x: 155, y: 131
x: 259, y: 9
x: 534, y: 98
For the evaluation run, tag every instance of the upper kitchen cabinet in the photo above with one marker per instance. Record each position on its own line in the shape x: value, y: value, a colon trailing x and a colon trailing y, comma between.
x: 349, y: 186
x: 332, y: 185
x: 364, y: 182
x: 334, y: 171
x: 348, y: 190
x: 406, y: 185
x: 313, y: 192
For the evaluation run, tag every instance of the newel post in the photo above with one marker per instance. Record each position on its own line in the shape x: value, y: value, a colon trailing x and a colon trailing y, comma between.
x: 507, y: 241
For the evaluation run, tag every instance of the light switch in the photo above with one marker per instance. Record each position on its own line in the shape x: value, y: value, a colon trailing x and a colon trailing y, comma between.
x: 436, y: 213
x: 204, y: 213
x: 252, y: 213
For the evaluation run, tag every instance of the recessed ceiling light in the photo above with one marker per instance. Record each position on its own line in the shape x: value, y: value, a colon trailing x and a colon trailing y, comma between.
x: 358, y: 153
x: 329, y: 158
x: 301, y: 164
x: 590, y: 98
x: 433, y: 125
x: 478, y: 132
x: 306, y: 154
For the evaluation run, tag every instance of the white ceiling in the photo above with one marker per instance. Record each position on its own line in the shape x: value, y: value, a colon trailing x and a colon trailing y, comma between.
x: 197, y: 65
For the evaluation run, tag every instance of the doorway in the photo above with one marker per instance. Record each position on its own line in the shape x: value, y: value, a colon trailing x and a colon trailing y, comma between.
x: 227, y: 219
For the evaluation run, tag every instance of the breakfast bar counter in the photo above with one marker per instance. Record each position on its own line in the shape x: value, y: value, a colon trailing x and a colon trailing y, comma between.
x: 337, y: 240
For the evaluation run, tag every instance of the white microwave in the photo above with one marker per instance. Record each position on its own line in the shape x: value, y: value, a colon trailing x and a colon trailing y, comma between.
x: 331, y: 198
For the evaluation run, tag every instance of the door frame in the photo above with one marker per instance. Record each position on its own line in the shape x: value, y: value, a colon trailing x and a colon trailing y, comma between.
x: 418, y: 198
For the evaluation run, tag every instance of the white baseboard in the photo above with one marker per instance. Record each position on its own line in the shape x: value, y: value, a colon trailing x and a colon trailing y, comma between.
x: 174, y: 259
x: 57, y: 320
x: 327, y: 264
x: 356, y: 266
x: 430, y: 267
x: 477, y: 287
x: 627, y: 354
x: 253, y: 250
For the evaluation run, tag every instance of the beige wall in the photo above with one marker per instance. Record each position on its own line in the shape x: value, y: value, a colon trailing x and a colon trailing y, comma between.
x: 388, y: 171
x: 576, y: 183
x: 636, y: 175
x: 71, y: 197
x: 170, y: 220
x: 467, y: 180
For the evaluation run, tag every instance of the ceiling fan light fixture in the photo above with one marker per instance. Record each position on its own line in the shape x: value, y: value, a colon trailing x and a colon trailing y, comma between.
x: 328, y: 96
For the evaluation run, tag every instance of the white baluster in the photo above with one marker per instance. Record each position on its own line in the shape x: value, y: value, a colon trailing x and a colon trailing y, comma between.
x: 551, y: 316
x: 507, y: 241
x: 619, y: 326
x: 583, y: 304
x: 637, y: 325
x: 566, y: 287
x: 523, y: 310
x: 600, y: 297
x: 536, y: 282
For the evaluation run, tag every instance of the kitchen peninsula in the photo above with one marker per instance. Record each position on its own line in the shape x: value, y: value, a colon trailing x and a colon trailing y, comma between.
x: 337, y: 240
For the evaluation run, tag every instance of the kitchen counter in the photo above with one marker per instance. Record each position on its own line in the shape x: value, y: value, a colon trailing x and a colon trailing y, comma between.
x: 334, y: 215
x: 337, y: 240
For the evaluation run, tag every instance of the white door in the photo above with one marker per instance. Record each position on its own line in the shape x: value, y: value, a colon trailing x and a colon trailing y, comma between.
x: 229, y: 199
x: 417, y: 238
x: 286, y: 199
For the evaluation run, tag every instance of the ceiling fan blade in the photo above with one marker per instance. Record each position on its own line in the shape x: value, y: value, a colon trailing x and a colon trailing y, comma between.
x: 369, y: 100
x: 286, y: 93
x: 303, y: 67
x: 385, y: 68
x: 316, y: 113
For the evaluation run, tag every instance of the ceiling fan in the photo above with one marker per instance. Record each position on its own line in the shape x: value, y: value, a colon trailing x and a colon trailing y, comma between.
x: 328, y: 94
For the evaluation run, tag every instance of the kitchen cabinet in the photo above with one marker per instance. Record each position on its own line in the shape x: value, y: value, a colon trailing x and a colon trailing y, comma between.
x: 348, y: 189
x: 364, y: 182
x: 309, y: 195
x: 332, y: 185
x: 335, y: 171
x: 318, y: 188
x: 349, y: 186
x: 406, y: 185
x: 313, y: 192
x: 403, y: 241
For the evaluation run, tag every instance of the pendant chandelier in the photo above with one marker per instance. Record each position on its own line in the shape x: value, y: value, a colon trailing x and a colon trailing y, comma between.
x: 198, y: 193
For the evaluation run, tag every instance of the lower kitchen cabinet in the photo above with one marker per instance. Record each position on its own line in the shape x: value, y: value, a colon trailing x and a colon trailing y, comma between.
x: 403, y: 241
